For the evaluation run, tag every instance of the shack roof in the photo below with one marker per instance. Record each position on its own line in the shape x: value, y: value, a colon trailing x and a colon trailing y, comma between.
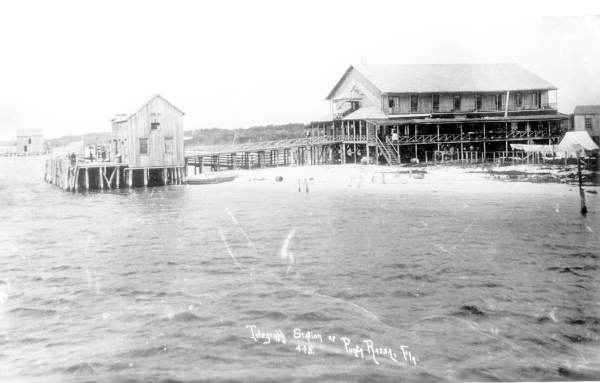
x: 29, y: 132
x: 447, y: 78
x: 127, y: 116
x: 587, y: 109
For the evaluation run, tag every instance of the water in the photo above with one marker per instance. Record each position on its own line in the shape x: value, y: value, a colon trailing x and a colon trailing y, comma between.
x: 160, y: 284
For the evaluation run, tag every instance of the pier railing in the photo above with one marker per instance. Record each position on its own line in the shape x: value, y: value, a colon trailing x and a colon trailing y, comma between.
x: 260, y: 146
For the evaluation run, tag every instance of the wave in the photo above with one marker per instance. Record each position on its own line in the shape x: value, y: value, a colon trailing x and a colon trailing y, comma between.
x: 29, y: 312
x: 313, y: 316
x: 469, y: 310
x: 263, y: 314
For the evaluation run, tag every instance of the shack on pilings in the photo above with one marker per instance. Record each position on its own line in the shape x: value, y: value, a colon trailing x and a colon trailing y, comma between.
x: 146, y: 149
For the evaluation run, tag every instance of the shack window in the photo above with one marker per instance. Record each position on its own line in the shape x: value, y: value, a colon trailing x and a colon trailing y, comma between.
x: 143, y: 146
x: 391, y: 102
x: 436, y: 102
x: 154, y: 125
x: 498, y: 102
x: 457, y: 102
x: 414, y: 103
x: 519, y: 101
x: 588, y: 123
x: 477, y: 102
x: 168, y: 145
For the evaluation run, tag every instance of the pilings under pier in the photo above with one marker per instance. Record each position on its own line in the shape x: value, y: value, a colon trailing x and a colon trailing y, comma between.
x: 106, y: 175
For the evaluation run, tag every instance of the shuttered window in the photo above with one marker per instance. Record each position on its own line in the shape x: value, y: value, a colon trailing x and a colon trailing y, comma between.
x: 143, y: 146
x: 168, y: 145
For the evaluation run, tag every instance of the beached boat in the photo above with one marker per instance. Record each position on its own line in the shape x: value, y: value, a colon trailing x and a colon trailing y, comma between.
x: 206, y: 180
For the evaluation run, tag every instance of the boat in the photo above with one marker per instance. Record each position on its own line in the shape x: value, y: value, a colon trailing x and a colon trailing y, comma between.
x: 204, y: 180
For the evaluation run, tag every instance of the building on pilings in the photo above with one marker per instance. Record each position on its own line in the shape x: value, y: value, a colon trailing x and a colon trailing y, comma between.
x: 469, y: 112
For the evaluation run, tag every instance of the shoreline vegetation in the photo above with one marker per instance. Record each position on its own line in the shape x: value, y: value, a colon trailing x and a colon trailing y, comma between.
x: 211, y: 136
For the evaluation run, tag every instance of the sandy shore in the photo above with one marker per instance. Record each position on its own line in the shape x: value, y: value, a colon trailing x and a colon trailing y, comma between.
x: 374, y: 178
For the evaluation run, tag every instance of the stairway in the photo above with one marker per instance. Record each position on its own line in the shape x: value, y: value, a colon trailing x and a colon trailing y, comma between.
x: 389, y: 152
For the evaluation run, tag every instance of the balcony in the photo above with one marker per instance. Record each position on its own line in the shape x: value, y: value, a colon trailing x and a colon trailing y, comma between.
x: 511, y: 108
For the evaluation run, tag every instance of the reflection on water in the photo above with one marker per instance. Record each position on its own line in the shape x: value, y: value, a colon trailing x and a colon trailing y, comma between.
x: 163, y: 283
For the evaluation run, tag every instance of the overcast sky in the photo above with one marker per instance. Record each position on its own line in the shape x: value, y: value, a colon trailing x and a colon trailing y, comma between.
x: 67, y: 67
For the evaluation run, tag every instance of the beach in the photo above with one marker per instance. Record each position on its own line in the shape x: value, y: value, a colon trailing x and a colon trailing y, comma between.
x: 426, y: 179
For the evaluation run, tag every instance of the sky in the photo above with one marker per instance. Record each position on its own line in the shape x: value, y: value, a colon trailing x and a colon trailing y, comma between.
x: 67, y: 67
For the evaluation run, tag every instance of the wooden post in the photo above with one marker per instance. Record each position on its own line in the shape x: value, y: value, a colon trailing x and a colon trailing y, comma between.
x: 438, y: 137
x: 118, y: 181
x: 100, y: 178
x: 130, y: 177
x: 461, y: 143
x: 76, y: 178
x: 87, y: 179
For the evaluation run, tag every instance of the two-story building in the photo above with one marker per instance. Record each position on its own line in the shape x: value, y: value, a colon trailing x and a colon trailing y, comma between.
x: 395, y: 113
x: 30, y: 141
x: 150, y: 141
x: 586, y: 118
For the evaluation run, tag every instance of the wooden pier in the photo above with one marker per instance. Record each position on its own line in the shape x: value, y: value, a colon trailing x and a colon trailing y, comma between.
x: 298, y: 151
x: 84, y: 176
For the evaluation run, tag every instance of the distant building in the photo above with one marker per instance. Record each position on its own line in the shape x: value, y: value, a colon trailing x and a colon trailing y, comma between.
x: 150, y: 137
x: 587, y: 118
x: 30, y: 141
x: 417, y: 111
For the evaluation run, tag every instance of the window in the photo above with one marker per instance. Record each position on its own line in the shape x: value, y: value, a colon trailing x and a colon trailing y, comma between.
x: 154, y: 125
x: 168, y: 145
x: 539, y: 99
x: 519, y: 100
x: 436, y: 102
x: 588, y: 123
x: 477, y: 102
x: 29, y: 140
x: 414, y: 103
x: 457, y: 102
x: 391, y: 102
x: 498, y: 102
x: 143, y: 146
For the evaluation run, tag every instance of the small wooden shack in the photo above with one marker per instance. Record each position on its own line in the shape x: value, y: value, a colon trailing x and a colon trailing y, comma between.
x: 150, y: 141
x: 146, y: 150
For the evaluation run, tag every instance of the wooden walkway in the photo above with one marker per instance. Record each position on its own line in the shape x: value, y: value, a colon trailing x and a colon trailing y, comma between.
x: 300, y: 151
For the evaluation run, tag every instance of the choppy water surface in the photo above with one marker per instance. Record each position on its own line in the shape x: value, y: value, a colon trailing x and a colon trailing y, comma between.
x: 162, y: 283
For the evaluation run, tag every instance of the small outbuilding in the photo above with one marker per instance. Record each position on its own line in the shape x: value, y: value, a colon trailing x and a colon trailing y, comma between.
x: 30, y: 141
x: 586, y: 118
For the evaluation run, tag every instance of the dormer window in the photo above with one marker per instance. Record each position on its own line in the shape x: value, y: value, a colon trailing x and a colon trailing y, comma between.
x: 477, y: 102
x: 154, y: 125
x: 391, y: 102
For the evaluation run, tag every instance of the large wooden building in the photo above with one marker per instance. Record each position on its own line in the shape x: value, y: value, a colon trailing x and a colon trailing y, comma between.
x: 399, y: 113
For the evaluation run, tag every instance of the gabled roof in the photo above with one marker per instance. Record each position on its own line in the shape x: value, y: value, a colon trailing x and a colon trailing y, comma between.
x: 587, y: 109
x: 127, y: 116
x: 446, y: 78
